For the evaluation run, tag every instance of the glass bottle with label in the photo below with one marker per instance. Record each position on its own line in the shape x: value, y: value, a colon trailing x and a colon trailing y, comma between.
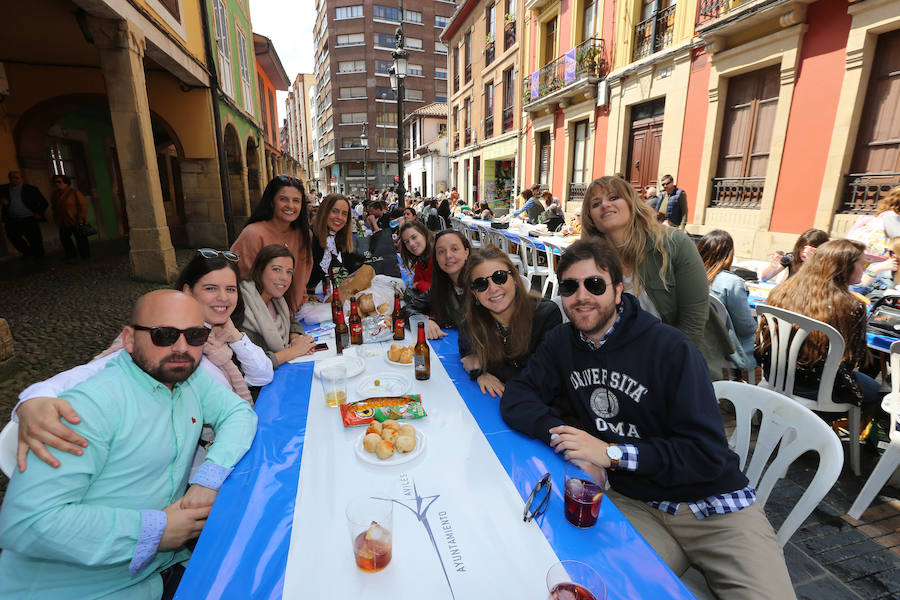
x: 356, y: 336
x: 422, y: 356
x: 397, y: 320
x: 341, y: 333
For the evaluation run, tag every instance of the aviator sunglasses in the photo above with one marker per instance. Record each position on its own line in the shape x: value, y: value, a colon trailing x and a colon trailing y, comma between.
x: 480, y: 284
x: 595, y: 285
x: 167, y: 336
x: 226, y: 254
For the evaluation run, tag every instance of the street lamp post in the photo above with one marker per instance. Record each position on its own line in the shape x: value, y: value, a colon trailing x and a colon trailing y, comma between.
x: 364, y: 140
x: 398, y: 74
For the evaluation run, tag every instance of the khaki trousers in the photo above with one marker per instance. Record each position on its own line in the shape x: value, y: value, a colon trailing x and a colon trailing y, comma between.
x: 738, y: 553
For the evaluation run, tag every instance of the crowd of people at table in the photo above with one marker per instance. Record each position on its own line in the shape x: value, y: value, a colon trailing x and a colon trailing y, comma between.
x: 624, y: 385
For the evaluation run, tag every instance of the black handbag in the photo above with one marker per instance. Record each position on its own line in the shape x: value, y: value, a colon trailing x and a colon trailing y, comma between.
x: 85, y: 229
x: 884, y: 318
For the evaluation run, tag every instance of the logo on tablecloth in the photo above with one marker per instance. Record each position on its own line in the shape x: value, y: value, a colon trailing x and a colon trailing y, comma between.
x: 419, y: 505
x: 604, y: 403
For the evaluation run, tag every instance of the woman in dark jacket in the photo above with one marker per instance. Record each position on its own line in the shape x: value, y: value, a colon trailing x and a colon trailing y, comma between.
x: 493, y: 349
x: 332, y: 242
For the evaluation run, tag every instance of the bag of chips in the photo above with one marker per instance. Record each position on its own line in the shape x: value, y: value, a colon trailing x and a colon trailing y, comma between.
x: 382, y: 409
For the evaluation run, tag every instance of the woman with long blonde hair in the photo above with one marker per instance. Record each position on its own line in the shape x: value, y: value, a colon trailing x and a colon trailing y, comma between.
x: 820, y: 291
x: 661, y: 265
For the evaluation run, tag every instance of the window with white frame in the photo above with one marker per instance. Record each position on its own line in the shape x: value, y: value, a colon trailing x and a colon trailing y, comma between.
x: 385, y: 40
x: 351, y: 66
x: 415, y: 70
x: 223, y: 48
x: 414, y: 95
x: 352, y: 118
x: 413, y: 43
x: 441, y: 21
x: 386, y: 13
x: 244, y: 63
x: 351, y: 39
x: 440, y: 48
x: 383, y: 67
x: 412, y: 16
x: 440, y: 73
x: 353, y: 92
x: 348, y: 12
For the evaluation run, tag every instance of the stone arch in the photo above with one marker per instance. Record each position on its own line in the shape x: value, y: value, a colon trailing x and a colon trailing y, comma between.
x: 31, y: 135
x: 237, y: 182
x: 253, y: 174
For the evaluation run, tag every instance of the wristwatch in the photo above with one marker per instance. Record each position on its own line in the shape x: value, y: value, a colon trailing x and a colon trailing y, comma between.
x: 615, y: 455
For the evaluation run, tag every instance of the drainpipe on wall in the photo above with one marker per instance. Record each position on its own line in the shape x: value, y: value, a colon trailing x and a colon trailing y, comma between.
x: 217, y: 121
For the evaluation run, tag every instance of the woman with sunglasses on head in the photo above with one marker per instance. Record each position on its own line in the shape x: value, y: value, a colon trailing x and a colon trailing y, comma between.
x: 661, y: 266
x: 451, y: 251
x: 804, y: 248
x: 417, y: 253
x: 280, y: 218
x: 211, y: 278
x: 332, y: 242
x: 492, y: 347
x: 267, y: 318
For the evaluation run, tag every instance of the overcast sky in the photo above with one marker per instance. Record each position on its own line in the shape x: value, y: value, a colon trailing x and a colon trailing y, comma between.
x: 289, y: 24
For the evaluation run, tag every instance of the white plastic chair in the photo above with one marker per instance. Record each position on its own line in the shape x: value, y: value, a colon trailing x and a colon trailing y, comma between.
x: 786, y: 343
x: 721, y: 313
x: 890, y: 460
x: 551, y: 283
x: 472, y: 235
x: 792, y: 430
x: 531, y: 262
x: 502, y: 242
x: 9, y: 437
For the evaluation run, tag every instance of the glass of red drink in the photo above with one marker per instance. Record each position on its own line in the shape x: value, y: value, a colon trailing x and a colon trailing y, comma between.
x: 583, y: 496
x: 370, y: 523
x: 573, y: 580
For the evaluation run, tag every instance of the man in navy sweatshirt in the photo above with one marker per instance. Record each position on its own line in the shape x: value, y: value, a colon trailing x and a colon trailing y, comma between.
x: 641, y: 396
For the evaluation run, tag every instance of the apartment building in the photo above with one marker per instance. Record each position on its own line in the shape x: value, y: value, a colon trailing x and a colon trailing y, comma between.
x: 427, y: 163
x: 564, y: 95
x: 353, y: 45
x: 298, y: 119
x: 485, y: 100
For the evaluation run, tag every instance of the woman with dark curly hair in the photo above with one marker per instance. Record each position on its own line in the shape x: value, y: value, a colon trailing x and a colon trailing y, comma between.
x: 280, y: 218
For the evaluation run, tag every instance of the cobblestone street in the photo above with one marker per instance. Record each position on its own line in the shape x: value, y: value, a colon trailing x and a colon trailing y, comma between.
x: 62, y: 315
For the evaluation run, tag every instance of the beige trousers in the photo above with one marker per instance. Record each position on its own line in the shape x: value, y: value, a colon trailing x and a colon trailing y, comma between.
x: 738, y: 553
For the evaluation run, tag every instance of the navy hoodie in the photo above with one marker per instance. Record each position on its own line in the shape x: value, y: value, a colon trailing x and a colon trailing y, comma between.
x: 647, y: 386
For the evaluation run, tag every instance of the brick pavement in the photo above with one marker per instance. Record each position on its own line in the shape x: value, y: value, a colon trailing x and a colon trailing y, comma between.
x: 61, y: 315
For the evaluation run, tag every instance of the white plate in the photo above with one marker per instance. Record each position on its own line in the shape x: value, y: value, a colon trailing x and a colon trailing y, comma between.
x: 399, y: 364
x: 354, y: 364
x: 396, y: 459
x: 389, y: 384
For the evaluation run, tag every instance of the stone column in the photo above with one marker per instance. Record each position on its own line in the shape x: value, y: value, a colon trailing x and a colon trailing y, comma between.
x: 121, y: 47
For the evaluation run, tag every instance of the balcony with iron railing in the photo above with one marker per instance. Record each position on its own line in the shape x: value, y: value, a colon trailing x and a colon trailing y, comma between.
x: 507, y: 119
x: 489, y: 127
x: 862, y: 191
x: 719, y: 20
x: 573, y: 73
x: 653, y: 34
x: 576, y: 191
x: 737, y: 192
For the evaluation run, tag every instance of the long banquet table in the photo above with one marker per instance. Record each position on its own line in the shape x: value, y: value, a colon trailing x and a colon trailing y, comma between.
x: 556, y: 243
x: 257, y: 543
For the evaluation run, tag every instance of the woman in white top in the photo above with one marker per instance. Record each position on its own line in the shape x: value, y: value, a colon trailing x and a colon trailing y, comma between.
x: 211, y: 278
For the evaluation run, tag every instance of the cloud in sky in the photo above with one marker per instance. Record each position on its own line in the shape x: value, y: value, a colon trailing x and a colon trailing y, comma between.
x: 289, y: 24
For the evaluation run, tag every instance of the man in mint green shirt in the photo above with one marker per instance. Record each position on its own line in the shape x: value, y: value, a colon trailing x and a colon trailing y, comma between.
x: 108, y: 523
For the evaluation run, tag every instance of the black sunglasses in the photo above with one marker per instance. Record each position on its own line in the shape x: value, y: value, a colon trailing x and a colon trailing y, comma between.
x: 167, y: 336
x: 595, y: 285
x: 543, y: 486
x: 226, y: 254
x: 480, y: 284
x: 289, y: 179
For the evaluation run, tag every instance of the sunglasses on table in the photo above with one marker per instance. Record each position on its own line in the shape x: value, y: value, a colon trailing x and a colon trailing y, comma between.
x: 539, y: 497
x: 595, y: 285
x: 480, y: 284
x: 167, y: 336
x: 226, y: 254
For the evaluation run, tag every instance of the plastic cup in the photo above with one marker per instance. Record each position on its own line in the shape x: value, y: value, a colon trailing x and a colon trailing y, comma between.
x: 583, y: 496
x: 573, y: 580
x: 415, y: 320
x: 370, y: 523
x: 334, y: 382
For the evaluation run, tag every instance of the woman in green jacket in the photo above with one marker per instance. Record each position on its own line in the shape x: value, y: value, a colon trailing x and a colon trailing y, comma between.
x: 662, y: 266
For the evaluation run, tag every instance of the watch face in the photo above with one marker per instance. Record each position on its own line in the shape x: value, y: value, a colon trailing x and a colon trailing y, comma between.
x: 614, y: 452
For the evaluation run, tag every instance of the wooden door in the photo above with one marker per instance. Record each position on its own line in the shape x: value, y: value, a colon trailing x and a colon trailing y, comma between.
x: 643, y: 152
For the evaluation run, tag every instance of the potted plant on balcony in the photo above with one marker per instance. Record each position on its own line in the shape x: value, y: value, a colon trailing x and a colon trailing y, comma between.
x: 589, y: 61
x: 509, y: 21
x: 489, y: 39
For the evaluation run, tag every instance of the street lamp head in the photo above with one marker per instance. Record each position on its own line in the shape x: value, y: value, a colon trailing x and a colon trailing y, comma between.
x: 393, y: 73
x: 401, y: 60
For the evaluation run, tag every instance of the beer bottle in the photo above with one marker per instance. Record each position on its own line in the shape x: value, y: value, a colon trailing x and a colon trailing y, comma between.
x: 422, y: 356
x: 341, y: 333
x: 397, y: 320
x: 355, y: 324
x: 336, y: 305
